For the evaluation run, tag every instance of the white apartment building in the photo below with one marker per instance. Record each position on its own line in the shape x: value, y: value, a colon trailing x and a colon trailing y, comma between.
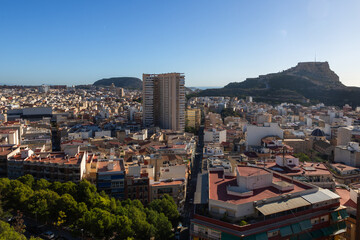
x: 255, y: 133
x: 215, y: 135
x: 348, y: 154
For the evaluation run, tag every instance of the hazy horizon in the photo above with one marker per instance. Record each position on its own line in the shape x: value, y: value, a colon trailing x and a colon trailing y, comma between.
x: 212, y: 42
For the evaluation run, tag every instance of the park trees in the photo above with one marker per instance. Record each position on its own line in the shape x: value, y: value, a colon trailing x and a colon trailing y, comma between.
x: 86, y: 211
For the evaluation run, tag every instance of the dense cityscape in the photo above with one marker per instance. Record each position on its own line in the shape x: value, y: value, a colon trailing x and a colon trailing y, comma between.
x: 179, y: 120
x: 104, y: 162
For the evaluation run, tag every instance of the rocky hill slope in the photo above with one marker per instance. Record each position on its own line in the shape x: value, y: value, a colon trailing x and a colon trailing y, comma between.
x: 313, y: 81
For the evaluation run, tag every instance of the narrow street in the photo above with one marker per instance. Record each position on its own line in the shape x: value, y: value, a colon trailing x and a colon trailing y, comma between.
x: 191, y: 188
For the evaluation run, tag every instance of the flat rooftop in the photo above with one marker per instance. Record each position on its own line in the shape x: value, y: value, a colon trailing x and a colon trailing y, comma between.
x: 310, y: 169
x: 218, y: 187
x: 57, y: 157
x: 105, y: 166
x: 168, y: 183
x: 250, y: 171
x: 7, y: 131
x: 343, y: 167
x: 5, y: 150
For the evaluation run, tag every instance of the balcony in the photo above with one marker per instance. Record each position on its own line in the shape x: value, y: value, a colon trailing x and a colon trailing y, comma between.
x: 204, y: 235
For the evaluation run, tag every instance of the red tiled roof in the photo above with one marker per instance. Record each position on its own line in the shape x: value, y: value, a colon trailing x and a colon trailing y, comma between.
x: 345, y: 198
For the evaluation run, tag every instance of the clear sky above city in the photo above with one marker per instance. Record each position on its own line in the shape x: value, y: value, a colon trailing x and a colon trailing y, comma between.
x: 212, y: 42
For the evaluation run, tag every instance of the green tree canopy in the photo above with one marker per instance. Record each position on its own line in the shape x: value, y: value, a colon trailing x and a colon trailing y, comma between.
x: 80, y: 206
x: 8, y: 233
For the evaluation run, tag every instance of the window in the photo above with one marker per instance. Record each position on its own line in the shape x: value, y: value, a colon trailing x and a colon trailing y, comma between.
x: 164, y: 190
x: 324, y: 218
x: 117, y: 184
x: 202, y: 230
x: 314, y: 221
x: 273, y: 233
x: 215, y: 234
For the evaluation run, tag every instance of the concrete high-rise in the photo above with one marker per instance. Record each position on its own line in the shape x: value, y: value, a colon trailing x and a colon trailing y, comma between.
x: 164, y: 101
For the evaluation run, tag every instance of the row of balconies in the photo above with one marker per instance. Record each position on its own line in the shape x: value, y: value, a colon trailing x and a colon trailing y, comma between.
x: 57, y: 165
x: 40, y: 168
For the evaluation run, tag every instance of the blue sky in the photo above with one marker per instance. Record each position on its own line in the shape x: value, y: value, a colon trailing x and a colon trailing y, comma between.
x: 212, y: 42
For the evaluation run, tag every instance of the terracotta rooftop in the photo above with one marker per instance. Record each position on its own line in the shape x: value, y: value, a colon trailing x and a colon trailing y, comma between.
x: 5, y: 150
x: 218, y: 188
x: 169, y: 183
x: 343, y: 167
x: 250, y: 171
x: 345, y: 198
x: 56, y: 157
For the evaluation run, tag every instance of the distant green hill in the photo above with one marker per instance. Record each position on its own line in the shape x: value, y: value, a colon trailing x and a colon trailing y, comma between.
x: 124, y: 82
x: 313, y: 81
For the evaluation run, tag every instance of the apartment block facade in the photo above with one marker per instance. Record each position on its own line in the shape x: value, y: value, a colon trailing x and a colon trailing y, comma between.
x: 164, y: 101
x: 267, y: 205
x: 193, y: 118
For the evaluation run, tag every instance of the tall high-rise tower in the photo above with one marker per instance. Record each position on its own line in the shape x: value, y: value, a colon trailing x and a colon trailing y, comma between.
x: 164, y: 101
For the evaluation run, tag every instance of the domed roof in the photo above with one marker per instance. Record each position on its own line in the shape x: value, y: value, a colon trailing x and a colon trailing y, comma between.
x: 318, y: 133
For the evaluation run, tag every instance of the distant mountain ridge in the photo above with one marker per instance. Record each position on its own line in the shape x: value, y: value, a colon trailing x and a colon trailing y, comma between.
x: 313, y: 81
x: 124, y: 82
